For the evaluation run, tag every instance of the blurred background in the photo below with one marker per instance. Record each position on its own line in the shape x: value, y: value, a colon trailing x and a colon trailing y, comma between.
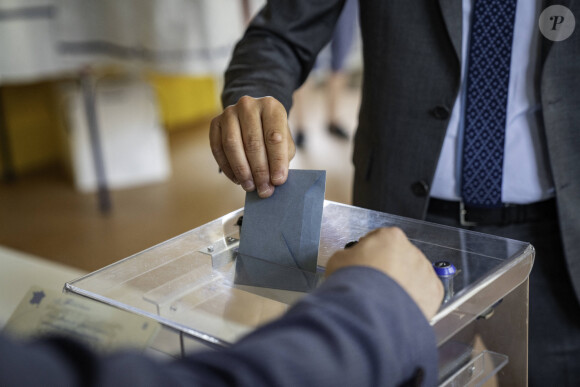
x: 104, y: 116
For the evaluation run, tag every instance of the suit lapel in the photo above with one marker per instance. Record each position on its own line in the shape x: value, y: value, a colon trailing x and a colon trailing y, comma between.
x: 452, y: 15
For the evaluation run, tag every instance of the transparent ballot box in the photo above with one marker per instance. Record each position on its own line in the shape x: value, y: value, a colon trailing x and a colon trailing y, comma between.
x: 197, y: 286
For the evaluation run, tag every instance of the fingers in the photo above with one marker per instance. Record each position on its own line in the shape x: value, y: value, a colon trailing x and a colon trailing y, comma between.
x: 278, y: 144
x: 251, y: 143
x: 427, y: 290
x: 250, y: 117
x: 389, y: 250
x: 217, y: 148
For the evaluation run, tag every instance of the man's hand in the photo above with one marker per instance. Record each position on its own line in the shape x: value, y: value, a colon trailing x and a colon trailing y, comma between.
x: 252, y: 144
x: 389, y: 250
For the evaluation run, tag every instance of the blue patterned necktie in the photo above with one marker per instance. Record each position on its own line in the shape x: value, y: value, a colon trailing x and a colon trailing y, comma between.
x: 488, y: 70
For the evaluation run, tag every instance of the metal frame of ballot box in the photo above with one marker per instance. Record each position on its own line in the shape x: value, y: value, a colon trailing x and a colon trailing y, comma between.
x: 191, y: 285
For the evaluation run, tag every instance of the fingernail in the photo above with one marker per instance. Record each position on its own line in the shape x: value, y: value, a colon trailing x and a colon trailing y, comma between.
x: 248, y: 185
x: 277, y: 177
x: 264, y: 189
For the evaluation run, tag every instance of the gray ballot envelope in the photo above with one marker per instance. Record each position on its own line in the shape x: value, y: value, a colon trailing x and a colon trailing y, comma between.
x: 280, y: 235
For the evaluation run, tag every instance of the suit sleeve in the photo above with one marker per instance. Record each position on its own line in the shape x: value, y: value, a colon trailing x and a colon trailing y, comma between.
x: 358, y: 329
x: 279, y: 49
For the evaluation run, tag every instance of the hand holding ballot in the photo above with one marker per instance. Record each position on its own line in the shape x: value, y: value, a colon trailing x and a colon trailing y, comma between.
x: 252, y: 144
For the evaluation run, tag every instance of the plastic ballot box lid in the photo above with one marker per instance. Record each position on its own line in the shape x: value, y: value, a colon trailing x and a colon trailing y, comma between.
x: 198, y: 286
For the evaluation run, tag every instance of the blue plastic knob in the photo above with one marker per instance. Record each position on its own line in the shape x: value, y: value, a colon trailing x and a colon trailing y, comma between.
x: 444, y: 269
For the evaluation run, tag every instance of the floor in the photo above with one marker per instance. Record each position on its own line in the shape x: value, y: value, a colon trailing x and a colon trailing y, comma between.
x: 42, y: 213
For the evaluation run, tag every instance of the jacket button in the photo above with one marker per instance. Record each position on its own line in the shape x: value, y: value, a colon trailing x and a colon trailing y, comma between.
x: 440, y: 112
x: 420, y: 188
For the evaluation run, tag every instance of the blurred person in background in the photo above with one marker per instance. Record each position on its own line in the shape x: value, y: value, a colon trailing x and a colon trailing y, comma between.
x: 339, y: 49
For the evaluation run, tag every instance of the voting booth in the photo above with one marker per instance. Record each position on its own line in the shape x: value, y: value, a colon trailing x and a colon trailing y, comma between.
x: 200, y: 289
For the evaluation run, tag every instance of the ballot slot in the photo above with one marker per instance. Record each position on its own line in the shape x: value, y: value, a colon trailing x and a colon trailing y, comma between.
x: 223, y: 250
x: 261, y: 273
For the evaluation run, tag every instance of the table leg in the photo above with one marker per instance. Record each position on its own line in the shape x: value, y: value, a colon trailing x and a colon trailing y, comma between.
x: 88, y: 90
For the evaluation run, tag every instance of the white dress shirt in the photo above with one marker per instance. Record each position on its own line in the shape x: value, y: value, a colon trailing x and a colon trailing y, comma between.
x: 526, y: 172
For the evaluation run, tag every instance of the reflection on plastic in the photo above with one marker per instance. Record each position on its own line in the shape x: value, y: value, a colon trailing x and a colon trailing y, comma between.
x: 478, y: 371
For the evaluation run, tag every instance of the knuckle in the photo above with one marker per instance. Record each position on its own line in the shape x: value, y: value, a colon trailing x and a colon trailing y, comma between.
x: 274, y: 137
x: 273, y: 107
x: 273, y: 102
x: 261, y: 172
x: 389, y: 235
x: 246, y: 102
x: 253, y: 144
x: 214, y: 122
x: 230, y: 142
x: 276, y: 159
x: 240, y: 170
x: 229, y: 111
x: 214, y: 129
x: 269, y: 102
x: 216, y: 150
x: 397, y: 232
x: 384, y: 232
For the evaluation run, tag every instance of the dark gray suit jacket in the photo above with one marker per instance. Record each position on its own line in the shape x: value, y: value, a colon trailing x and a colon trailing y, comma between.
x: 411, y: 53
